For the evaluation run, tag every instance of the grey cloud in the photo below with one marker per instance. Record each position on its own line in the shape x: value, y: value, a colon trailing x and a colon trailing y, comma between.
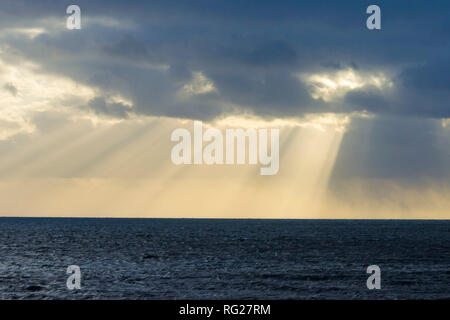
x: 370, y: 99
x: 11, y: 89
x: 268, y: 92
x: 251, y: 51
x: 127, y: 47
x: 100, y: 106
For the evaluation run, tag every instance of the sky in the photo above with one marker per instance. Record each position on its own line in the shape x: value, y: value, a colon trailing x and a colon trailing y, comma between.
x: 86, y: 115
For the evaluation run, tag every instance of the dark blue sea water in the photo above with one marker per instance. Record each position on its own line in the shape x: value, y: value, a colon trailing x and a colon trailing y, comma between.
x: 223, y: 259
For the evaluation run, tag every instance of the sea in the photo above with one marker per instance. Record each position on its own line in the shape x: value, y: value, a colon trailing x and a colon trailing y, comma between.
x: 223, y: 259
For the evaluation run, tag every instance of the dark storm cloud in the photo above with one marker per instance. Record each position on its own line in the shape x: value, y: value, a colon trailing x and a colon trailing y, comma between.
x: 371, y: 99
x: 251, y: 50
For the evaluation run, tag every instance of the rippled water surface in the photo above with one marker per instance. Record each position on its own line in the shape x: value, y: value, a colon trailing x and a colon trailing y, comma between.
x: 223, y: 259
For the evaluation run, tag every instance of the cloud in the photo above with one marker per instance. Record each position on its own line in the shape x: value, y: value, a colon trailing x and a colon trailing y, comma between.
x: 250, y: 52
x: 116, y: 109
x: 11, y: 89
x: 100, y: 102
x: 395, y: 148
